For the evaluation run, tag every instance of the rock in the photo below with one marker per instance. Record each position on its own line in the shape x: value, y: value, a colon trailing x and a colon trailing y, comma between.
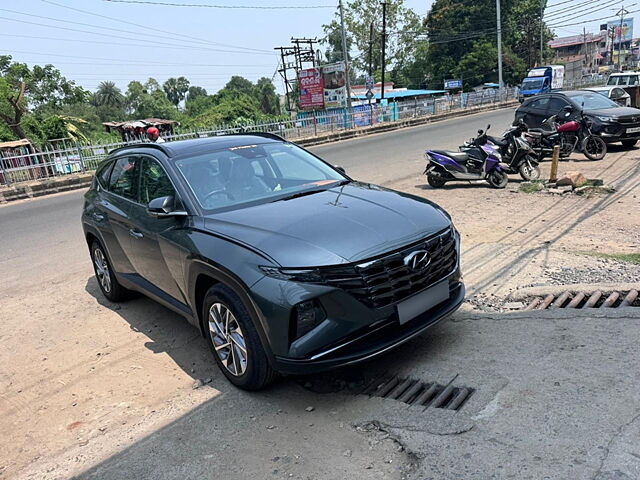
x: 197, y: 384
x: 514, y: 305
x: 310, y: 409
x: 565, y: 188
x: 572, y: 178
x: 347, y: 453
x: 207, y: 380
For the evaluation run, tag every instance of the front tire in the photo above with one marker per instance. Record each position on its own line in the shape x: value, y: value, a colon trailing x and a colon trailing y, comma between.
x: 498, y: 179
x: 594, y: 148
x: 107, y: 281
x: 529, y: 172
x: 629, y: 143
x: 234, y: 340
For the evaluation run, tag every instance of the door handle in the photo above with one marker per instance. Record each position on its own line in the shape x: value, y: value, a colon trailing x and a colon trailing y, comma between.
x: 135, y: 233
x: 98, y: 217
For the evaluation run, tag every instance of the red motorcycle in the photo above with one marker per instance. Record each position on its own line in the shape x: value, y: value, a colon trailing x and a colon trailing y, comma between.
x: 574, y: 135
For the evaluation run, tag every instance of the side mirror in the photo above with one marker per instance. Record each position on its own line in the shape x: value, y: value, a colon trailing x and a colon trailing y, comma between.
x: 340, y: 169
x: 480, y: 132
x: 568, y: 108
x: 164, y: 207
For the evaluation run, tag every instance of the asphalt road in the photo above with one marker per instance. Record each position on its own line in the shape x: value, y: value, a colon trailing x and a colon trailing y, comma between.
x: 42, y: 237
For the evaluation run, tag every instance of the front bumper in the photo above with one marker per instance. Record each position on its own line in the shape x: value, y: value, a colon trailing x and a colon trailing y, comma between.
x: 615, y: 132
x: 375, y: 340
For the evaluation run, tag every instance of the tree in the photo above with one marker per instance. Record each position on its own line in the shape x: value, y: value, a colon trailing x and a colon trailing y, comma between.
x: 133, y: 97
x: 108, y: 95
x: 195, y: 92
x: 24, y: 90
x: 268, y: 100
x: 176, y: 90
x: 239, y: 85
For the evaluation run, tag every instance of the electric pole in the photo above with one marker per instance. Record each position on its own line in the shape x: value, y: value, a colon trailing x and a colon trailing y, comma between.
x: 622, y: 12
x: 499, y: 44
x: 345, y: 55
x: 586, y: 55
x: 384, y: 45
x: 541, y: 31
x: 370, y: 70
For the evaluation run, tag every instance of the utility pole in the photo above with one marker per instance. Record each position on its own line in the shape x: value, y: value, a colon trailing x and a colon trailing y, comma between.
x: 384, y: 45
x: 370, y: 70
x: 499, y: 44
x: 612, y: 36
x: 541, y: 31
x: 584, y: 41
x: 622, y: 12
x: 345, y: 55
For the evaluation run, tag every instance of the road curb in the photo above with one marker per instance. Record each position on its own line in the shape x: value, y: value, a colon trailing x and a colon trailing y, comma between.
x: 44, y: 187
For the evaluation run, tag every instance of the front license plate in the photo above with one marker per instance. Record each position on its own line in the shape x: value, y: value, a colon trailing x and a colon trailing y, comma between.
x: 633, y: 130
x: 423, y: 301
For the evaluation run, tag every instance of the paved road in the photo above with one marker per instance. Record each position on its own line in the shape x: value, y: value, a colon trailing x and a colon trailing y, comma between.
x: 41, y: 236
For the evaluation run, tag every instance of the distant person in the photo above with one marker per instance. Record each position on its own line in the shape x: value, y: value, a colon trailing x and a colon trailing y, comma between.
x: 153, y: 134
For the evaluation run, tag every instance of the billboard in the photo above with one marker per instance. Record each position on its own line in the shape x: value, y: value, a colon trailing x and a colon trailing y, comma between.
x: 311, y: 85
x: 627, y: 29
x: 335, y: 85
x: 452, y: 84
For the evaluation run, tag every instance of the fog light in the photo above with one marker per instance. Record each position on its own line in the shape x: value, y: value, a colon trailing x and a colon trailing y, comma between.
x: 308, y: 315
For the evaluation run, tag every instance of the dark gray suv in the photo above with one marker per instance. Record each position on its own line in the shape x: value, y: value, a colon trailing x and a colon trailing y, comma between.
x: 283, y: 262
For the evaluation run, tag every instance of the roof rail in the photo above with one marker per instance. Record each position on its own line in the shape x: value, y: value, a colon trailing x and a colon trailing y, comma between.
x: 157, y: 146
x: 273, y: 136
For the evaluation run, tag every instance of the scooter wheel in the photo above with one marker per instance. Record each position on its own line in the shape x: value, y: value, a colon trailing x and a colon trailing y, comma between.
x: 498, y: 179
x: 529, y: 172
x: 435, y: 182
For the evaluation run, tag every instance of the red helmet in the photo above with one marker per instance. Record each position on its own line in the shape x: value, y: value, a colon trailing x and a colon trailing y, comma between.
x: 153, y: 131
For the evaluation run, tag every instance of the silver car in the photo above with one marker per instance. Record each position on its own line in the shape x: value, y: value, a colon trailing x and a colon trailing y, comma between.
x: 617, y: 94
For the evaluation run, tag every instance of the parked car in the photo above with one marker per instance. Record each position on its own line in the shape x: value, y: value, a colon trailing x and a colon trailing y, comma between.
x: 608, y: 119
x: 283, y: 262
x: 617, y: 94
x: 624, y: 79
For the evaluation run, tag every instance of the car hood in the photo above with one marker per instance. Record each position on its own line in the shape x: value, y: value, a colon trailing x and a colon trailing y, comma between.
x: 615, y: 112
x: 339, y: 225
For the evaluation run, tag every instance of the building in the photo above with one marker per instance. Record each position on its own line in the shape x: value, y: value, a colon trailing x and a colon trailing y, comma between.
x: 588, y: 47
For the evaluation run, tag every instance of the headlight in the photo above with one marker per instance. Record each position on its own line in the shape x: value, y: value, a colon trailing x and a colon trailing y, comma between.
x: 603, y: 118
x: 309, y: 275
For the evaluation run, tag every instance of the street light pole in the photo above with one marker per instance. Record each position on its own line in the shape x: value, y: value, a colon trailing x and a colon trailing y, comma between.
x: 345, y: 55
x: 499, y: 44
x: 622, y: 12
x: 541, y: 30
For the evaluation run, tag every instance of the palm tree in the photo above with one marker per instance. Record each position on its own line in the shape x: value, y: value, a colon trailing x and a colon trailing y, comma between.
x: 176, y: 89
x: 109, y: 95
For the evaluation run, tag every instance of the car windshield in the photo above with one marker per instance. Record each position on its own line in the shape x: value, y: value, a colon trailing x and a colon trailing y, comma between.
x: 255, y: 173
x: 623, y: 80
x: 593, y: 101
x: 531, y: 83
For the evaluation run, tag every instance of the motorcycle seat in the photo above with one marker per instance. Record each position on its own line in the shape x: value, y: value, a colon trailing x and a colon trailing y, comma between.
x: 497, y: 141
x: 540, y: 132
x: 459, y: 157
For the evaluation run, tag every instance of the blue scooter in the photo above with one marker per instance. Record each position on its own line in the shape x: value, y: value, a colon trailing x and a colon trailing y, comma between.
x: 477, y: 160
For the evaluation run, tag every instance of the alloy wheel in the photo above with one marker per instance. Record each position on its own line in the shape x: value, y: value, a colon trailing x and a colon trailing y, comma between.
x: 102, y: 269
x: 228, y: 339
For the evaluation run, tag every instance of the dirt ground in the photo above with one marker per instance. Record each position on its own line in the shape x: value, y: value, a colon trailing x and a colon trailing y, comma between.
x: 81, y: 378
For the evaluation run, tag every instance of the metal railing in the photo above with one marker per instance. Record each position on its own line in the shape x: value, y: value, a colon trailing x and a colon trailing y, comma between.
x: 78, y: 158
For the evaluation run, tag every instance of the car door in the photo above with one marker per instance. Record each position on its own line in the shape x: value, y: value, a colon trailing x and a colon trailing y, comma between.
x: 536, y: 111
x: 113, y: 212
x: 556, y: 106
x: 157, y: 256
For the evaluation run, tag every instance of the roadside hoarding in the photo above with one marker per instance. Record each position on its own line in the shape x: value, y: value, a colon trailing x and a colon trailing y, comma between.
x: 453, y: 84
x: 311, y: 85
x: 627, y: 29
x: 335, y: 85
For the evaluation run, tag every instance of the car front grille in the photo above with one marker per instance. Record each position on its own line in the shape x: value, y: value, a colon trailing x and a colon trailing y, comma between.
x: 385, y: 280
x: 634, y: 120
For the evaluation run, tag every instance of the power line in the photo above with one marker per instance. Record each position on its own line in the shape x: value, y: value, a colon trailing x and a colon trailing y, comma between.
x: 200, y: 40
x: 231, y: 7
x: 119, y: 30
x: 587, y: 21
x: 127, y: 38
x: 581, y: 12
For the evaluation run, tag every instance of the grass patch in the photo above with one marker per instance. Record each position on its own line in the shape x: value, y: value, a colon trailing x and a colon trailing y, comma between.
x: 532, y: 187
x: 621, y: 257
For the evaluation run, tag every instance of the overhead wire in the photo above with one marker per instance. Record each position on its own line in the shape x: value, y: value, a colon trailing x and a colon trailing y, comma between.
x: 230, y: 7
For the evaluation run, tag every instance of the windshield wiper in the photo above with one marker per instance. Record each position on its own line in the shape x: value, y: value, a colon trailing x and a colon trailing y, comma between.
x: 304, y: 193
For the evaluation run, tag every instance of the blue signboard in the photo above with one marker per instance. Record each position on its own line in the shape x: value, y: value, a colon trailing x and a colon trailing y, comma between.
x: 626, y: 32
x: 451, y: 84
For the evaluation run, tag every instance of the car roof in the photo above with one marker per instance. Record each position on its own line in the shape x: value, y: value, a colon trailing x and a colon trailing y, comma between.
x: 185, y: 147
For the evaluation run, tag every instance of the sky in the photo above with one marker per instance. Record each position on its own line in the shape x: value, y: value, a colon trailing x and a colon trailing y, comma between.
x: 123, y: 41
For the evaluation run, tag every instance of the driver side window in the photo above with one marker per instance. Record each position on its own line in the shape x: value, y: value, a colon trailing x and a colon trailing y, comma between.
x: 154, y: 181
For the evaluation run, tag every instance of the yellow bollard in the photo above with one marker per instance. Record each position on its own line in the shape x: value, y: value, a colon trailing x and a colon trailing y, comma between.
x: 553, y: 176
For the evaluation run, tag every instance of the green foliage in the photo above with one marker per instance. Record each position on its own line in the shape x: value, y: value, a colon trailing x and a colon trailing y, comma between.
x: 268, y: 100
x: 108, y: 95
x: 195, y: 92
x: 176, y: 89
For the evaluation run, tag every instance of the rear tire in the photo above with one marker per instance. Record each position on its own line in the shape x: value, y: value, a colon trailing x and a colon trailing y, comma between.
x: 498, y: 179
x: 234, y: 340
x: 107, y: 281
x: 594, y: 148
x: 629, y: 143
x: 435, y: 182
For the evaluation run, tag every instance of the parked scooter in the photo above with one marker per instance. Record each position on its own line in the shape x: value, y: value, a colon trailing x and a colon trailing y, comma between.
x: 517, y: 153
x: 574, y: 135
x: 480, y: 160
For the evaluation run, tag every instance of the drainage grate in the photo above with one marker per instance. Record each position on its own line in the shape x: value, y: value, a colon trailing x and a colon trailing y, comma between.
x: 596, y: 299
x: 415, y: 392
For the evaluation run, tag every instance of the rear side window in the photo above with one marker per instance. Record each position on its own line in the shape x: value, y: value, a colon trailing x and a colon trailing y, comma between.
x: 124, y: 178
x: 556, y: 104
x: 103, y: 174
x: 539, y: 103
x: 154, y: 182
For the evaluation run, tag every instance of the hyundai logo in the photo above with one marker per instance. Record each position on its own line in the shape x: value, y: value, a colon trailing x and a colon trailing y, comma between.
x: 418, y: 260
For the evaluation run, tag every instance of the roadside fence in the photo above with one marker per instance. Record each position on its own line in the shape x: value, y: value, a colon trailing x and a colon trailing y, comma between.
x: 77, y: 158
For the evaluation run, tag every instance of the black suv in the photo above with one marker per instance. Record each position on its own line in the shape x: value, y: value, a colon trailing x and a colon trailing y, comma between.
x: 283, y: 262
x: 609, y: 120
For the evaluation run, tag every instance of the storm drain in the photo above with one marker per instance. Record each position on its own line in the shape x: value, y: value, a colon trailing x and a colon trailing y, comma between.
x: 414, y: 392
x: 596, y: 299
